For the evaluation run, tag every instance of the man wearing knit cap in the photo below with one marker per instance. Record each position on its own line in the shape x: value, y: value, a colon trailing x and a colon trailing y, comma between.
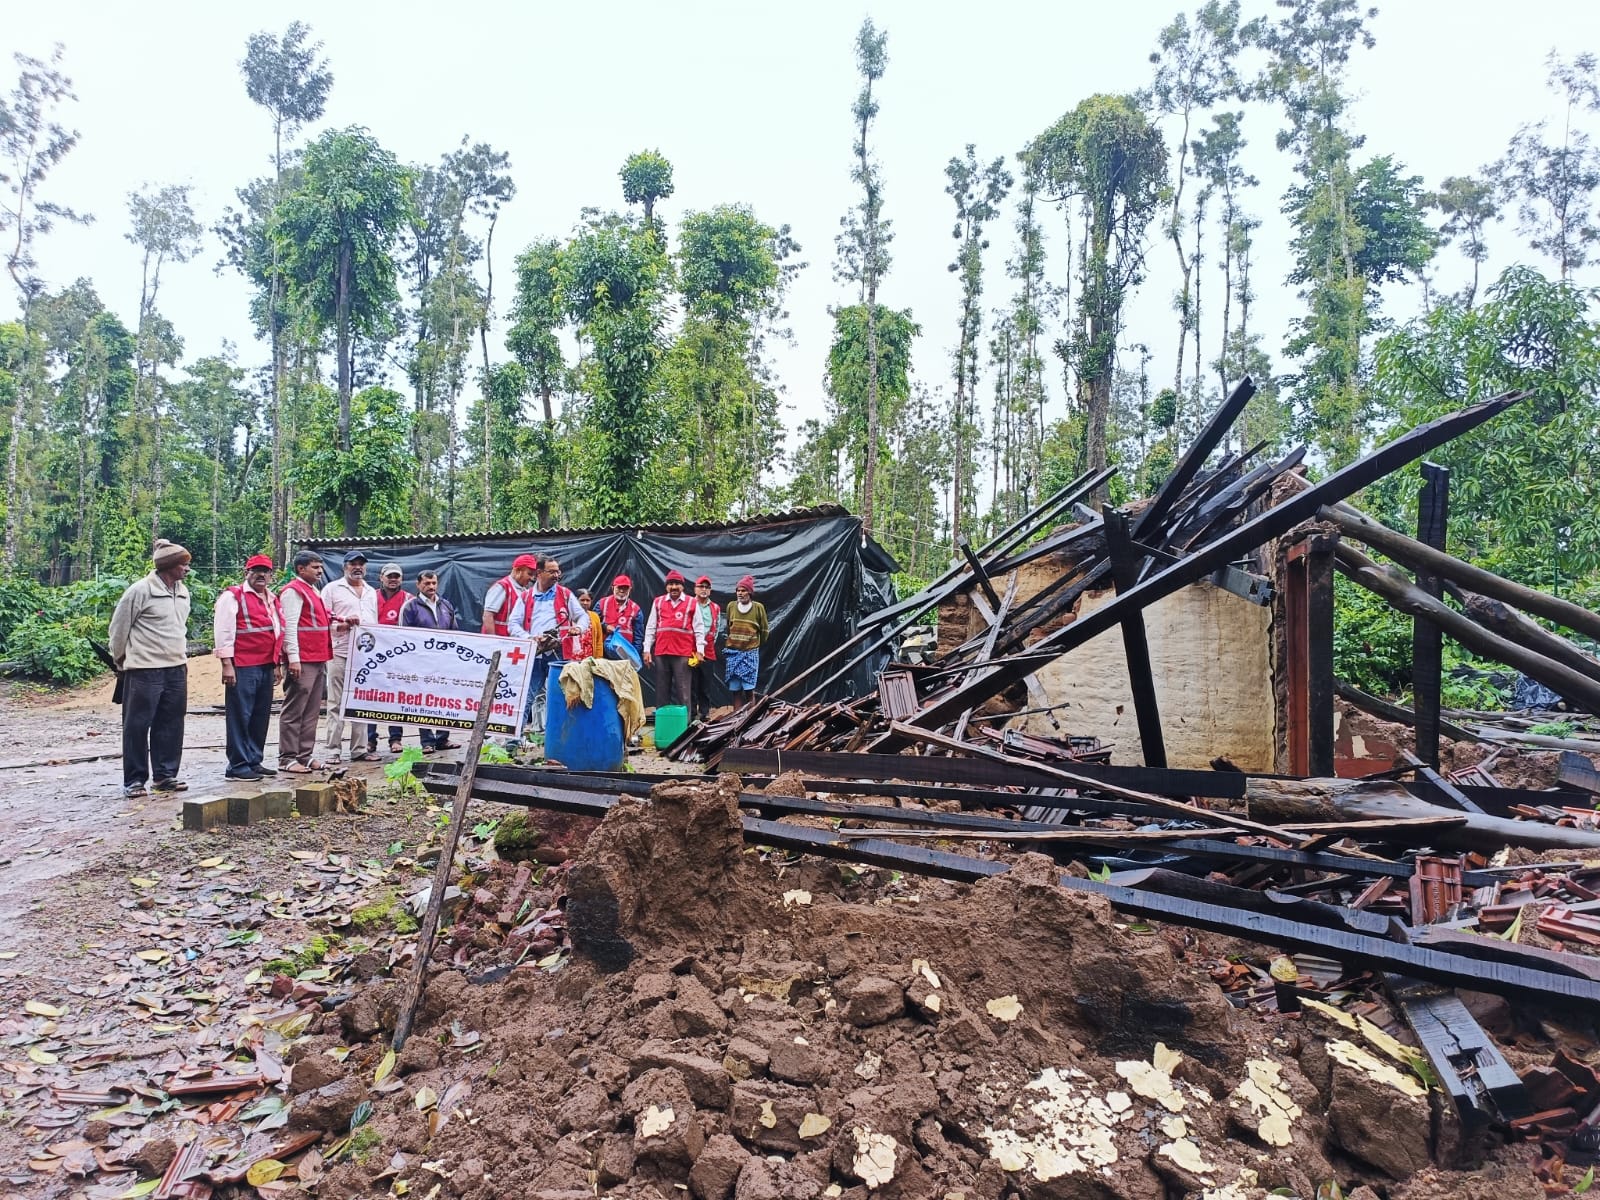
x: 669, y: 641
x: 747, y: 633
x: 247, y: 630
x: 149, y: 644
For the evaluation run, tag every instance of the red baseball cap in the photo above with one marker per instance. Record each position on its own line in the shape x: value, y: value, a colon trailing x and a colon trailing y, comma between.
x: 706, y: 579
x: 622, y: 581
x: 257, y: 560
x: 676, y: 576
x: 525, y: 560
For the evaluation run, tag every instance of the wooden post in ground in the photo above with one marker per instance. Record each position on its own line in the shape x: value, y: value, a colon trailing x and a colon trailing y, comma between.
x: 1433, y: 509
x: 447, y: 854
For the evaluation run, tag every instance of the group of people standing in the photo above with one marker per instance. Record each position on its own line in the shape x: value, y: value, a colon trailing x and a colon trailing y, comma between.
x: 299, y: 638
x: 677, y: 633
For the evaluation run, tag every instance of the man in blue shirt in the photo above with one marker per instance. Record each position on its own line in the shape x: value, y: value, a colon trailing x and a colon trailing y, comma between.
x: 544, y: 610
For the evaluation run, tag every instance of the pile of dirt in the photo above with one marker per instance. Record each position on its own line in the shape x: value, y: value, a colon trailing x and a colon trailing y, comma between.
x: 730, y: 1026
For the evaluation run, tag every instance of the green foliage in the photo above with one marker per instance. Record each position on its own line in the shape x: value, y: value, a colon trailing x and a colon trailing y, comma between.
x: 57, y: 651
x: 1525, y: 489
x: 374, y: 475
x: 646, y: 178
x: 399, y: 773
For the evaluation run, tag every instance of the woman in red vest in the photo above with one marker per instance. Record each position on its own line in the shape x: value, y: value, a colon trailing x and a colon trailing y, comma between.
x: 248, y: 630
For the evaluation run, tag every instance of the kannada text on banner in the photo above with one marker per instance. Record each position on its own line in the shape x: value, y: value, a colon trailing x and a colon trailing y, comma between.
x: 400, y: 675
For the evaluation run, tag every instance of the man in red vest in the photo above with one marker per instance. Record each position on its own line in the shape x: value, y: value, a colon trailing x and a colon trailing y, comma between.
x: 307, y: 650
x: 391, y: 599
x: 248, y: 630
x: 505, y: 593
x: 669, y: 640
x: 620, y: 612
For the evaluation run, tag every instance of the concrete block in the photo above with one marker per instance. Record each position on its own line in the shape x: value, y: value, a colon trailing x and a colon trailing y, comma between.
x: 280, y: 803
x: 314, y: 799
x: 247, y: 809
x: 205, y: 812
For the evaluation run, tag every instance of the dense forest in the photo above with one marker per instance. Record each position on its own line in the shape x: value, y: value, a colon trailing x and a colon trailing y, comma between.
x: 622, y: 370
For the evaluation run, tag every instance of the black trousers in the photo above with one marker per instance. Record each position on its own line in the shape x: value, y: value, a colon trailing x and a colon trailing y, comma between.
x: 672, y: 679
x: 248, y: 705
x: 154, y: 701
x: 700, y: 689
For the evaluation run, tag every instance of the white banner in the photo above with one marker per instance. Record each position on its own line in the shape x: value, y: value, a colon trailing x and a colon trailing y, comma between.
x: 400, y: 675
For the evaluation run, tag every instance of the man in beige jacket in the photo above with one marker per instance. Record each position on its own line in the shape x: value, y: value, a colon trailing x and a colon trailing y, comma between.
x: 149, y: 644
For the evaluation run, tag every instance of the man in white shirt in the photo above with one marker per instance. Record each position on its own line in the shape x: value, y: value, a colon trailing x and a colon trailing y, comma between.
x: 547, y: 607
x: 352, y: 602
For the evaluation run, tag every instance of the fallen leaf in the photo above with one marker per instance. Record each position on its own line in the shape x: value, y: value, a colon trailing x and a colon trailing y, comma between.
x: 217, y: 862
x: 1187, y: 1155
x: 815, y: 1125
x: 767, y: 1118
x: 426, y: 1098
x: 797, y: 896
x: 155, y: 956
x: 264, y: 1171
x: 40, y: 1009
x: 655, y: 1121
x: 43, y: 1057
x: 921, y: 965
x: 1004, y: 1008
x: 309, y: 1168
x: 385, y: 1065
x: 138, y: 881
x: 1354, y: 1056
x: 8, y: 955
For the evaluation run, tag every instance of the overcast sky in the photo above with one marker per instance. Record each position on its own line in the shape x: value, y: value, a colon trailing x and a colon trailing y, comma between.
x: 751, y: 104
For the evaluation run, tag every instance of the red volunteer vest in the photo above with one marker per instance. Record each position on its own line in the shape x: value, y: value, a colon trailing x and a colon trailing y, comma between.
x: 709, y: 650
x: 389, y: 610
x: 255, y: 642
x: 512, y: 593
x: 619, y: 615
x: 674, y: 626
x: 314, y: 629
x: 579, y: 642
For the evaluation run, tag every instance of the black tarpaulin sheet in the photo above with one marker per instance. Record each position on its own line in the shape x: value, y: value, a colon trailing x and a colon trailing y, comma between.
x: 816, y: 575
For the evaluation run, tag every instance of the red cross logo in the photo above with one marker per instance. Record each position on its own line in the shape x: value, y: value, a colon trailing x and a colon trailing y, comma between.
x: 516, y: 656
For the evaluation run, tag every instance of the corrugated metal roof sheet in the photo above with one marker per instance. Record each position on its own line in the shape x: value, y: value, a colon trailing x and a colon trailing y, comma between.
x: 530, y: 535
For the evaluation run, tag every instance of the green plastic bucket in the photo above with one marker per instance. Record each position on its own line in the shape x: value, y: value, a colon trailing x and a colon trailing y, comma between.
x: 671, y: 721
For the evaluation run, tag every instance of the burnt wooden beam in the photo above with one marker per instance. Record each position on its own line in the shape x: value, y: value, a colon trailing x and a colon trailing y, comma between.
x: 1125, y: 564
x: 1427, y: 639
x: 1246, y: 585
x: 1255, y: 532
x: 1194, y: 458
x: 980, y: 575
x: 1319, y: 656
x: 1577, y: 770
x: 1468, y: 1063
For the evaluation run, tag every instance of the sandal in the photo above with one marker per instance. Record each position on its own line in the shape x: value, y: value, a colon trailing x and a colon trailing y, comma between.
x: 171, y: 785
x: 134, y: 791
x: 448, y: 746
x: 428, y: 749
x: 362, y: 756
x: 296, y: 769
x: 396, y: 746
x: 317, y: 765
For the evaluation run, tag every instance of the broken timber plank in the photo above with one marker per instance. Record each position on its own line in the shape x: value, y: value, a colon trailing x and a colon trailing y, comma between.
x: 1125, y: 564
x: 1427, y: 644
x: 1466, y: 1059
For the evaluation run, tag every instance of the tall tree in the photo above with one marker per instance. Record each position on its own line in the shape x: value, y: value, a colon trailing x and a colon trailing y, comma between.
x: 856, y: 366
x: 336, y: 236
x: 1467, y: 205
x: 646, y: 179
x: 613, y: 288
x: 164, y: 227
x: 32, y: 144
x: 1553, y: 184
x: 1194, y: 61
x: 534, y: 338
x: 288, y: 77
x: 978, y: 191
x: 864, y: 244
x: 1106, y: 154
